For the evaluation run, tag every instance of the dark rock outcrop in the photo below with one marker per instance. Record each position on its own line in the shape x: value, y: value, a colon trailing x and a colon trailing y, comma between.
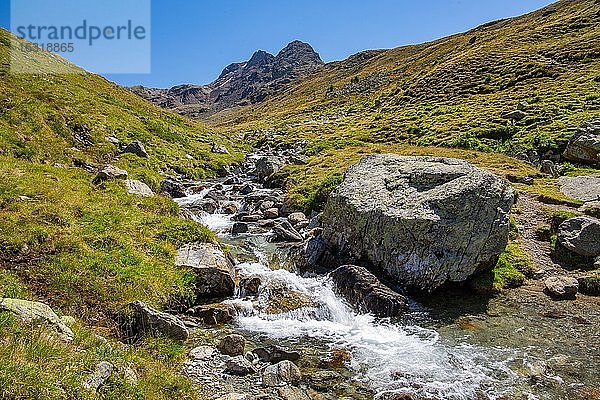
x: 363, y: 290
x: 174, y: 189
x: 275, y: 354
x: 239, y: 84
x: 423, y: 220
x: 214, y: 314
x: 137, y: 148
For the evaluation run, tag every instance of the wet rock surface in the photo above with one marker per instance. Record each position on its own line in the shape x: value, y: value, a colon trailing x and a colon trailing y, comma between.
x: 362, y: 289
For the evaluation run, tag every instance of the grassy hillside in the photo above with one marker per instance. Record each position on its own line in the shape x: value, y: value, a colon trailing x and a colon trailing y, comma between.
x: 452, y: 92
x: 86, y: 249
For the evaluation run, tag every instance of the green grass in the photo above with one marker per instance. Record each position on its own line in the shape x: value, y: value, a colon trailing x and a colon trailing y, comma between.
x: 547, y: 191
x: 513, y: 266
x: 36, y: 365
x: 85, y: 249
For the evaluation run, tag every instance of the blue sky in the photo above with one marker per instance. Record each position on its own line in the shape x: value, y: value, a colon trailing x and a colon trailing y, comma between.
x: 192, y: 41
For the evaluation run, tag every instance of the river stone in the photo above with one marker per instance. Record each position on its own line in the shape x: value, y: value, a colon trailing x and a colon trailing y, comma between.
x: 275, y: 354
x: 137, y: 148
x: 363, y: 290
x: 232, y: 345
x: 562, y: 287
x: 110, y: 172
x: 271, y: 213
x: 584, y: 146
x: 230, y: 208
x: 141, y: 319
x: 284, y: 372
x: 423, y: 220
x: 97, y: 378
x: 202, y: 353
x: 33, y: 310
x: 581, y: 235
x: 239, y: 227
x: 214, y: 270
x: 214, y: 314
x: 138, y: 188
x: 286, y: 232
x: 207, y: 205
x: 240, y: 366
x: 296, y: 218
x: 277, y: 297
x: 246, y: 189
x: 174, y: 189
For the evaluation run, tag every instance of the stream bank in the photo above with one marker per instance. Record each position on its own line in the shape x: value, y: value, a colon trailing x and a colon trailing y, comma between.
x: 449, y: 345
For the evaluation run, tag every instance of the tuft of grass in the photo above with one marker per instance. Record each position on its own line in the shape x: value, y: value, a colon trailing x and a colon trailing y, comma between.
x: 36, y: 365
x: 513, y: 266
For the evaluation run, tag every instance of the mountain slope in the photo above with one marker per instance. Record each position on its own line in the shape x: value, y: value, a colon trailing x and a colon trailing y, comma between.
x: 239, y: 84
x: 88, y: 249
x: 453, y: 91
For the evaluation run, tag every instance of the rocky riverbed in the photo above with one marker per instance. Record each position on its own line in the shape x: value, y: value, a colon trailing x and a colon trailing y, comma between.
x: 447, y: 345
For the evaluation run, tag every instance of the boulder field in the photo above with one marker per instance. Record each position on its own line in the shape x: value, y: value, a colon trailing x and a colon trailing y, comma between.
x: 424, y: 221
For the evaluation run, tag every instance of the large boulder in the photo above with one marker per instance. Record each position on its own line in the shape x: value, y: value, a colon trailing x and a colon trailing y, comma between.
x: 266, y: 166
x: 363, y: 290
x: 584, y: 146
x: 36, y: 311
x: 581, y: 235
x: 140, y: 319
x: 214, y: 270
x: 423, y: 220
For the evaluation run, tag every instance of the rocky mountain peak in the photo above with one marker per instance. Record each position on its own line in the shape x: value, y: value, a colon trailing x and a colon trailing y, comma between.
x: 260, y: 58
x: 240, y: 83
x: 299, y: 53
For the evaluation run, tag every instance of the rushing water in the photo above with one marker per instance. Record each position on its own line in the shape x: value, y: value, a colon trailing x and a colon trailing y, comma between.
x: 417, y: 355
